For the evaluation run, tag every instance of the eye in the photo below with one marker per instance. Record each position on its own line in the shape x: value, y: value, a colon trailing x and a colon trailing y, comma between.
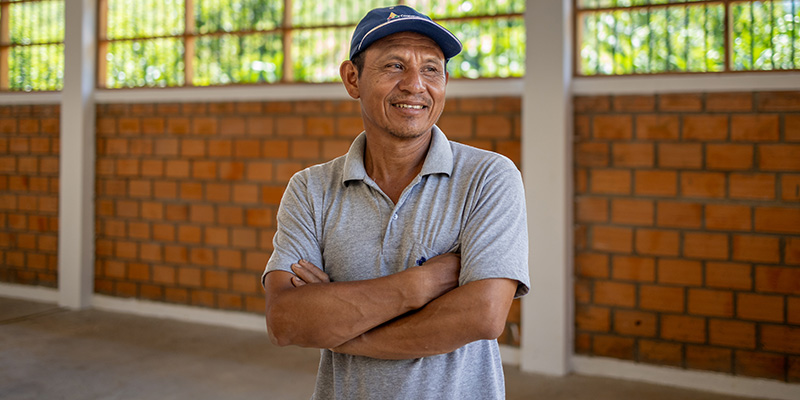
x: 394, y: 66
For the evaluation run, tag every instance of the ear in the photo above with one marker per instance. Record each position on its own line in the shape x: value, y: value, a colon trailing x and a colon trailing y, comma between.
x: 446, y: 77
x: 349, y: 75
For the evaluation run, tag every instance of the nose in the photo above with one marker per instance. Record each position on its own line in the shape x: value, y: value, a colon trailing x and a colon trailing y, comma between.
x: 412, y: 81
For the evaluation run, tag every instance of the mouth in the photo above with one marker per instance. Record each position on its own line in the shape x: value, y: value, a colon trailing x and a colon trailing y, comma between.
x: 409, y: 106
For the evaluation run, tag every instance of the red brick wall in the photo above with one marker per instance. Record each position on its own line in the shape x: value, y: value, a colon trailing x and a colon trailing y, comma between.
x: 187, y: 193
x: 688, y: 231
x: 29, y: 194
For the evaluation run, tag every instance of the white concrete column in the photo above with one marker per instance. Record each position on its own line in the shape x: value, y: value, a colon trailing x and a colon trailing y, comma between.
x: 547, y: 172
x: 77, y: 156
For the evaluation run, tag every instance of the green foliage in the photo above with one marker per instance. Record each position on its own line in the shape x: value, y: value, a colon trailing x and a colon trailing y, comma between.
x: 37, y: 62
x: 145, y: 63
x: 228, y: 59
x: 686, y: 37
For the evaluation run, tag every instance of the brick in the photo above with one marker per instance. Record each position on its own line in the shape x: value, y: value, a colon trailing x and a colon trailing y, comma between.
x: 176, y: 255
x: 259, y: 218
x: 592, y: 103
x: 756, y: 248
x: 275, y: 149
x: 661, y: 353
x: 231, y: 170
x: 583, y: 290
x: 680, y: 155
x: 633, y: 155
x: 189, y: 234
x: 191, y: 191
x: 200, y: 213
x: 680, y: 102
x: 657, y: 127
x: 683, y: 328
x: 591, y: 265
x: 632, y: 212
x: 717, y: 303
x: 680, y: 272
x: 201, y: 256
x: 304, y: 149
x: 153, y: 125
x: 509, y: 148
x: 791, y: 128
x: 129, y: 126
x: 177, y: 125
x: 476, y: 104
x: 657, y: 242
x: 760, y: 365
x: 790, y: 187
x: 177, y: 212
x: 793, y: 310
x: 177, y: 168
x: 755, y: 127
x: 232, y: 126
x: 792, y: 251
x: 711, y: 246
x: 709, y: 358
x: 614, y: 293
x: 702, y: 184
x: 732, y: 333
x: 729, y: 275
x: 592, y: 154
x: 610, y: 181
x: 784, y: 280
x: 493, y: 127
x: 730, y: 157
x: 778, y: 101
x: 612, y: 239
x: 220, y: 148
x: 349, y: 127
x: 634, y: 103
x: 673, y: 214
x: 612, y: 127
x: 191, y: 277
x: 203, y: 169
x: 230, y: 216
x: 204, y: 126
x: 634, y: 323
x: 758, y: 307
x: 780, y: 338
x: 779, y: 157
x: 752, y: 186
x: 777, y: 219
x: 244, y: 194
x: 613, y: 346
x: 581, y: 181
x: 631, y: 268
x: 218, y: 192
x: 729, y: 217
x: 193, y: 148
x: 661, y: 298
x: 735, y: 102
x: 290, y: 126
x: 655, y: 183
x: 591, y: 318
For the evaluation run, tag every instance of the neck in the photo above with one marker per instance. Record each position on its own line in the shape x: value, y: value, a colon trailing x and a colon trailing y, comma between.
x: 393, y: 163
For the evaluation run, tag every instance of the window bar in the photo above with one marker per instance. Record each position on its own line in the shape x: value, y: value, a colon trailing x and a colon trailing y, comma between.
x: 5, y: 39
x: 597, y: 43
x: 616, y: 43
x: 189, y: 38
x: 705, y: 38
x: 102, y: 43
x: 288, y: 71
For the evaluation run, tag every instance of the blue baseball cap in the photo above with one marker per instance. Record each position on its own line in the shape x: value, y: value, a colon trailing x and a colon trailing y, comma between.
x: 382, y: 22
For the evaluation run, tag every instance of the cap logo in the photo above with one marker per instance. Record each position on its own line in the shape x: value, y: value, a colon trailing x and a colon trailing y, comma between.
x: 392, y: 16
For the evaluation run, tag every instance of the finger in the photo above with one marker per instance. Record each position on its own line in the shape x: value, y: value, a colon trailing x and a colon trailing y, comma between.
x: 305, y: 273
x: 297, y: 282
x: 316, y: 271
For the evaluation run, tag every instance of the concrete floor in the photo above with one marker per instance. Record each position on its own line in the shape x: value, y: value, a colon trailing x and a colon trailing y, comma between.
x: 51, y: 353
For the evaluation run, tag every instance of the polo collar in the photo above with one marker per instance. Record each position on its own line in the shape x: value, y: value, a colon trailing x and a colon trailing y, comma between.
x: 438, y: 161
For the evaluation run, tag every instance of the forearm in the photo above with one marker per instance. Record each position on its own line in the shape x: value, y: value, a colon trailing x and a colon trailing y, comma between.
x: 476, y: 311
x: 325, y: 315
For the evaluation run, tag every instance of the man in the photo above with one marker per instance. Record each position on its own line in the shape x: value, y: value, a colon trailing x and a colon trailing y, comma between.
x: 400, y: 260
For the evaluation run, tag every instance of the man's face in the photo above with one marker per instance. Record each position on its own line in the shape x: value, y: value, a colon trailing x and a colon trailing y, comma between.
x: 402, y: 86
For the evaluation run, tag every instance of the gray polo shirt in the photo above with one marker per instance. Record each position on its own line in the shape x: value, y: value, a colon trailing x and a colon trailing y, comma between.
x: 464, y: 200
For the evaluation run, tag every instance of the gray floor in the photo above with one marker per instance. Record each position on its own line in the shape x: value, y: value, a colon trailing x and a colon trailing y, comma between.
x: 50, y: 353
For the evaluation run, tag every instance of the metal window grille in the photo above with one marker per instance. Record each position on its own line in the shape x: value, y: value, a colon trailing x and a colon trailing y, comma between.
x: 31, y: 45
x: 169, y: 43
x: 628, y: 37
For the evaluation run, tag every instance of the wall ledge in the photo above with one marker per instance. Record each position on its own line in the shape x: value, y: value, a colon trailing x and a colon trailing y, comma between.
x: 689, y: 379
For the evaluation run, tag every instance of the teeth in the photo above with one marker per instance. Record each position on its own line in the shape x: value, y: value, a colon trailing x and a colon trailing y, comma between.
x: 409, y: 106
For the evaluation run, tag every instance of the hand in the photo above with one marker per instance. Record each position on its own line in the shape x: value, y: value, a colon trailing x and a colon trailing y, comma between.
x: 308, y: 273
x: 441, y: 272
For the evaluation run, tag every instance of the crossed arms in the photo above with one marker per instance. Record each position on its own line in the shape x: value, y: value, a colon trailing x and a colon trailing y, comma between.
x: 418, y: 312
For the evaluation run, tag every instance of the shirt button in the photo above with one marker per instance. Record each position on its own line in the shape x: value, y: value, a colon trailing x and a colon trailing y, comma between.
x: 394, y: 216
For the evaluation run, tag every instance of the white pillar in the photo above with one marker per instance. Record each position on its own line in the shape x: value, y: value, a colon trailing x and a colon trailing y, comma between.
x: 77, y: 156
x: 547, y: 311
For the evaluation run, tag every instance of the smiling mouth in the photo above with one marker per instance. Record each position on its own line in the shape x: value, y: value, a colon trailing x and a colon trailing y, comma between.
x: 409, y: 106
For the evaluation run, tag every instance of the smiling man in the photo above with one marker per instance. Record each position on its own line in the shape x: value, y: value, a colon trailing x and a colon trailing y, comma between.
x: 400, y: 260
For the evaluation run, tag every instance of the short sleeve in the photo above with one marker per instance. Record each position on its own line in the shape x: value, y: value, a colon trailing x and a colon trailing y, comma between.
x: 494, y: 242
x: 296, y: 236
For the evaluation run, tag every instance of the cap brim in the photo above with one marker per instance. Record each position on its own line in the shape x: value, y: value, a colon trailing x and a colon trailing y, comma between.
x: 449, y: 44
